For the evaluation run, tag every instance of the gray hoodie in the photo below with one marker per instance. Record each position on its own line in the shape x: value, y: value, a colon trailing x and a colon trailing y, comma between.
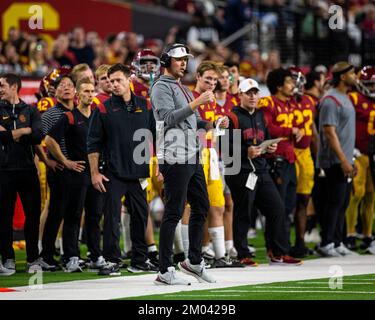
x: 176, y: 122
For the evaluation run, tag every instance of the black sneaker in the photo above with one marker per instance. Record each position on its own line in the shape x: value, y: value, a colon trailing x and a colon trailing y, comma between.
x: 178, y: 257
x: 299, y: 251
x: 146, y: 266
x: 366, y: 241
x: 110, y: 269
x: 350, y: 243
x: 154, y: 258
x: 52, y: 263
x: 224, y: 263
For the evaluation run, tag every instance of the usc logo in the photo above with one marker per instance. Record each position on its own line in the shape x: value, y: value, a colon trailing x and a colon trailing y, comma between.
x: 40, y: 15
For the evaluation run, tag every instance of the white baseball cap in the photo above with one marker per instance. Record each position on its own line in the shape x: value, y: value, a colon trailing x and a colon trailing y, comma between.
x: 179, y: 52
x: 247, y: 84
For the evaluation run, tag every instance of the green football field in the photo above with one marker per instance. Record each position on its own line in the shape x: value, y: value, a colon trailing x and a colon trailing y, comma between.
x: 360, y: 287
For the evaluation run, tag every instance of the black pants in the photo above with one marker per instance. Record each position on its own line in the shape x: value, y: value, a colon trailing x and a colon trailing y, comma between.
x: 26, y: 183
x: 264, y: 197
x: 337, y: 200
x: 77, y: 188
x: 284, y: 176
x: 94, y: 209
x: 58, y: 184
x: 137, y: 202
x: 319, y: 197
x: 181, y: 182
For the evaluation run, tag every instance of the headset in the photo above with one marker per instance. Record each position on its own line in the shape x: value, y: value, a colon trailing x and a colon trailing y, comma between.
x: 165, y: 59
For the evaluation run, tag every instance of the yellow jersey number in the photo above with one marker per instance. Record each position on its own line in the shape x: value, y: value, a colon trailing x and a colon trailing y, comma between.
x: 304, y: 117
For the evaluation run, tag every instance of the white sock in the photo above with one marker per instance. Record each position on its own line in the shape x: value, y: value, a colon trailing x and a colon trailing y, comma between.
x: 178, y: 243
x: 40, y: 246
x: 185, y: 238
x: 80, y: 234
x: 125, y: 228
x: 218, y: 241
x: 152, y: 248
x: 228, y: 245
x: 61, y: 246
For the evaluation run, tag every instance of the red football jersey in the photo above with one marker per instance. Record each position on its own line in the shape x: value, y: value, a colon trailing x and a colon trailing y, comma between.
x: 208, y: 112
x: 279, y: 118
x: 46, y: 103
x: 304, y: 115
x: 230, y: 102
x: 365, y: 120
x: 100, y: 98
x: 139, y: 89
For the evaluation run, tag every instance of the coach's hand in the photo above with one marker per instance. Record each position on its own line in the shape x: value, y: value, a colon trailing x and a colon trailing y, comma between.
x: 97, y: 181
x: 77, y: 166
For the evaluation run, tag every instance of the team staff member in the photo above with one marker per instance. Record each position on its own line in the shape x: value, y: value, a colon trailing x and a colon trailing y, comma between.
x: 278, y: 112
x: 147, y: 70
x: 20, y: 131
x: 263, y: 193
x: 175, y: 111
x: 56, y: 178
x: 111, y: 130
x: 335, y: 157
x: 73, y: 127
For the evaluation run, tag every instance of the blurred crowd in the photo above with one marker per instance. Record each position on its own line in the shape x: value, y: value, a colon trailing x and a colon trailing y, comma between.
x: 212, y: 22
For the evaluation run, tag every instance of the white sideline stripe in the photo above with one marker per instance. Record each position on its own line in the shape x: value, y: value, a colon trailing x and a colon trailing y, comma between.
x: 142, y: 285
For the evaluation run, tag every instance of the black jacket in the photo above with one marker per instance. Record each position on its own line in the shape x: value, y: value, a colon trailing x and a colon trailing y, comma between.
x: 18, y: 155
x: 253, y: 132
x: 112, y: 127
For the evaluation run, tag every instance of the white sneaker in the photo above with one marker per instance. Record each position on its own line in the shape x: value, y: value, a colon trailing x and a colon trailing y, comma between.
x: 344, y: 251
x: 313, y: 236
x: 208, y: 254
x: 252, y: 250
x: 97, y: 265
x: 39, y: 265
x: 196, y: 270
x: 328, y: 251
x: 251, y: 234
x: 371, y: 248
x: 6, y: 272
x: 73, y: 265
x: 10, y: 264
x: 170, y: 278
x: 232, y: 253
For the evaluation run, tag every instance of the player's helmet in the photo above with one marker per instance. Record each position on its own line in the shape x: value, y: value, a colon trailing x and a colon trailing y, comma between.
x: 146, y: 63
x: 299, y: 79
x: 51, y: 78
x: 366, y: 81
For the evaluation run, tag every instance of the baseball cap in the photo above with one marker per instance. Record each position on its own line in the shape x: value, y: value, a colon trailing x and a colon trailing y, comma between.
x: 179, y: 52
x: 247, y: 84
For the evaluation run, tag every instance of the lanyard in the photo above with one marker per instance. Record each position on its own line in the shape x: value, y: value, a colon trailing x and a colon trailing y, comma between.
x: 187, y: 97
